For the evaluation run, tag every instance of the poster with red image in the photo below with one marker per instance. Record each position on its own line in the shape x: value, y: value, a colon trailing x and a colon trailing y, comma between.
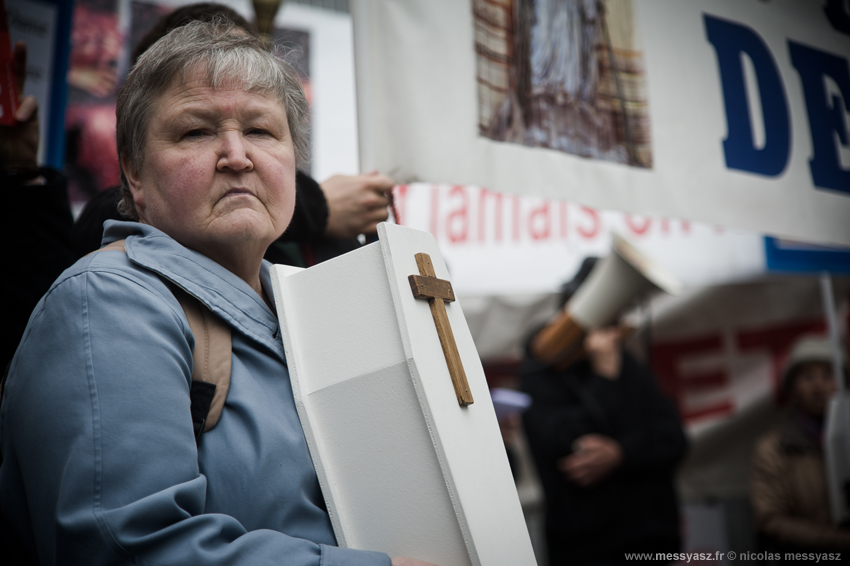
x: 8, y: 84
x: 101, y: 47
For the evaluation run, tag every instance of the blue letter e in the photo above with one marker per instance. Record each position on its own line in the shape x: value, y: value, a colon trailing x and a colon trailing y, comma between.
x: 731, y: 41
x: 826, y: 113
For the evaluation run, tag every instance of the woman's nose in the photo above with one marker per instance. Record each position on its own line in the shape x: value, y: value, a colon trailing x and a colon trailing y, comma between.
x: 233, y: 153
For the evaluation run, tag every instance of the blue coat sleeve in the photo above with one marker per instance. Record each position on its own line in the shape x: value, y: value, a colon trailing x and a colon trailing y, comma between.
x: 100, y: 463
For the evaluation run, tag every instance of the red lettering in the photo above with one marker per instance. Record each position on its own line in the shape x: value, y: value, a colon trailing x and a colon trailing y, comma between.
x: 540, y: 222
x: 400, y: 202
x: 457, y: 222
x: 564, y: 224
x: 516, y: 218
x: 667, y: 358
x: 635, y: 226
x: 590, y: 232
x: 482, y: 215
x: 435, y: 211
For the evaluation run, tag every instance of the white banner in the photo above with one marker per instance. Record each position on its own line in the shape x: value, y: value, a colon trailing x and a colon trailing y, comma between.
x: 496, y: 244
x: 726, y: 112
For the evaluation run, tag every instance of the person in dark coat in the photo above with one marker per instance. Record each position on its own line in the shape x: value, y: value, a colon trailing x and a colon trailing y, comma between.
x: 606, y: 443
x: 35, y: 217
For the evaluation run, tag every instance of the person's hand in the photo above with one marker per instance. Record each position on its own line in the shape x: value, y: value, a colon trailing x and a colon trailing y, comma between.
x: 98, y: 82
x: 403, y: 561
x: 603, y: 351
x: 356, y: 203
x: 595, y: 456
x: 19, y: 143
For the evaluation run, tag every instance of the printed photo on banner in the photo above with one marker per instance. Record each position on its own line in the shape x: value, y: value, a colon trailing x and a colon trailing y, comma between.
x: 565, y: 75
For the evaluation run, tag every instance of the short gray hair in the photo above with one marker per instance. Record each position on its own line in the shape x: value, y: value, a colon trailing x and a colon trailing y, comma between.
x: 225, y: 53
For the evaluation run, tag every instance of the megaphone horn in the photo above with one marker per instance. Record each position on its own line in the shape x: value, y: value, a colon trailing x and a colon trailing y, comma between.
x: 616, y: 282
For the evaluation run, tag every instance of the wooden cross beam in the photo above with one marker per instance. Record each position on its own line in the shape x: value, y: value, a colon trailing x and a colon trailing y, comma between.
x: 438, y: 291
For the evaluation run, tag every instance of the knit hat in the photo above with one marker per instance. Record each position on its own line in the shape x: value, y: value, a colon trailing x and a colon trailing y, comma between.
x: 809, y: 348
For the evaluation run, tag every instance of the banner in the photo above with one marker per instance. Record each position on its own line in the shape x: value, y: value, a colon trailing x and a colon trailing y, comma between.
x: 787, y: 256
x: 501, y: 244
x: 725, y: 112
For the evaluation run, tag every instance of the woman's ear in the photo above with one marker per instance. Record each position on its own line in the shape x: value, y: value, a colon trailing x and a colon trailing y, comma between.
x: 134, y: 184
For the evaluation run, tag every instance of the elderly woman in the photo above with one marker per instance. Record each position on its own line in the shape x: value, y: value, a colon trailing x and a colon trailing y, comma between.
x: 100, y: 460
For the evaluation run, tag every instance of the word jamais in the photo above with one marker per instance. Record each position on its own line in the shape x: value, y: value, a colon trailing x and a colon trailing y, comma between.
x: 467, y: 215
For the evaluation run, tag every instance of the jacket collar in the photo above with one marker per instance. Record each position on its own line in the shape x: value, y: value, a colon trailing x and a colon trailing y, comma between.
x: 221, y: 291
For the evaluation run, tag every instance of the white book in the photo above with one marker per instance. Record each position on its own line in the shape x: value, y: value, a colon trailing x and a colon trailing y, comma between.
x: 404, y: 468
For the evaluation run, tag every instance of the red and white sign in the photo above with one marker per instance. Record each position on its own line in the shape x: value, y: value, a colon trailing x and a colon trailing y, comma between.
x: 720, y: 351
x: 499, y: 244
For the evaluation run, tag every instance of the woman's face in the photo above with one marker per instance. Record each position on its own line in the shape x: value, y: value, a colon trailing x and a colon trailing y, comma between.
x: 219, y: 170
x: 814, y: 384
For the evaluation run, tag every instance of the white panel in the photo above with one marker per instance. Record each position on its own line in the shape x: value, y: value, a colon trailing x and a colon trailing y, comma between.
x: 404, y: 468
x: 375, y: 515
x: 467, y: 437
x: 342, y: 346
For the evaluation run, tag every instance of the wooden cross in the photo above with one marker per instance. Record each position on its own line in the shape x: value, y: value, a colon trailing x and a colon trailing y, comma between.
x: 437, y: 291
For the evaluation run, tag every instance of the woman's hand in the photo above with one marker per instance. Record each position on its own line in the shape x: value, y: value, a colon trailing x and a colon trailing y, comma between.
x: 594, y: 458
x: 404, y: 561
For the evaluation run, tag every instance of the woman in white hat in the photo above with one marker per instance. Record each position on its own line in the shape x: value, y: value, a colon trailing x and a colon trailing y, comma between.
x: 789, y: 487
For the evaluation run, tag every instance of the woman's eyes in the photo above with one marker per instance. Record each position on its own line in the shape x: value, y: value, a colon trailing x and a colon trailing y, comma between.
x: 196, y: 133
x: 258, y: 132
x: 193, y: 134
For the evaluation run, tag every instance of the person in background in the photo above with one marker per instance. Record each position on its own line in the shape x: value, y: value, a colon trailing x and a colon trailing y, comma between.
x: 35, y: 217
x: 328, y: 217
x: 606, y: 443
x: 789, y: 488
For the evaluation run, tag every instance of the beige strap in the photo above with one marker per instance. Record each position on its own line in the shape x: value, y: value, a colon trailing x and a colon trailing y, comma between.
x: 211, y: 357
x: 213, y: 350
x: 117, y: 245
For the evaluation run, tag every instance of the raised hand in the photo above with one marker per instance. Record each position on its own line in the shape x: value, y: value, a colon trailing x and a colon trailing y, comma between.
x: 356, y: 203
x: 19, y: 143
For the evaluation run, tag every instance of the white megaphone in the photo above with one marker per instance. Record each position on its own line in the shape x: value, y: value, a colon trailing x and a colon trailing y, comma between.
x: 615, y: 283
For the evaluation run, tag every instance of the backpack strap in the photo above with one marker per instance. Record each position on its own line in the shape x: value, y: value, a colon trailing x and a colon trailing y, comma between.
x: 117, y: 245
x: 211, y: 357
